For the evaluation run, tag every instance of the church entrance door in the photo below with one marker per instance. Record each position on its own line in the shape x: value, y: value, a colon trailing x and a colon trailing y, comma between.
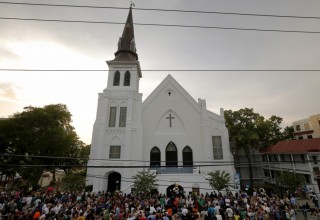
x: 171, y: 155
x: 174, y: 190
x: 114, y: 181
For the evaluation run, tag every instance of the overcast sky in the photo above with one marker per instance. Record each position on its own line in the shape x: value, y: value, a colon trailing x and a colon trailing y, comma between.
x: 57, y: 45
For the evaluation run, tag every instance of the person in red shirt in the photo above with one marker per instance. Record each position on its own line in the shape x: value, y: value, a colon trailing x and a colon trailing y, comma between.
x: 37, y: 214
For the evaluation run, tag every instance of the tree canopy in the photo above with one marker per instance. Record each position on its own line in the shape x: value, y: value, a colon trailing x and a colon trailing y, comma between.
x: 250, y: 130
x: 219, y: 180
x: 290, y: 180
x: 39, y: 139
x: 144, y: 181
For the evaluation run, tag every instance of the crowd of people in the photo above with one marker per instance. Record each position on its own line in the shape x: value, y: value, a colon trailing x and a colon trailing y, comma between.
x: 119, y: 206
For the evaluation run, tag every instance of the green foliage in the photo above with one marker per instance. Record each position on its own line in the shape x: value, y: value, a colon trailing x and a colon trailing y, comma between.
x: 38, y: 132
x: 219, y: 180
x: 290, y: 180
x: 74, y: 181
x: 287, y: 133
x: 144, y: 181
x: 250, y: 130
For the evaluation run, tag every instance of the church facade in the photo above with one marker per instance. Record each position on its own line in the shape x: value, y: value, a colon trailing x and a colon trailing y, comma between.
x: 169, y: 133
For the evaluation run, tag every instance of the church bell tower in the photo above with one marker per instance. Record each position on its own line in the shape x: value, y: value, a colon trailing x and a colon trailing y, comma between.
x: 117, y: 131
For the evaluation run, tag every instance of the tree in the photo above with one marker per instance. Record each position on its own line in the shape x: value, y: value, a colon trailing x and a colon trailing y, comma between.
x: 287, y: 133
x: 219, y: 180
x: 250, y: 130
x: 74, y: 181
x: 290, y: 180
x: 144, y: 181
x: 45, y: 136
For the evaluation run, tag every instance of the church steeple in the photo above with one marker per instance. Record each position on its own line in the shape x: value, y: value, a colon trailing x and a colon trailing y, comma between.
x: 126, y: 44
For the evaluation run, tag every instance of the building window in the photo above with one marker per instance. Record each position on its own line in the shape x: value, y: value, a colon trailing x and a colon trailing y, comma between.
x: 282, y: 158
x: 309, y: 136
x: 319, y: 121
x: 300, y: 138
x: 155, y: 157
x: 269, y: 158
x: 315, y: 159
x: 171, y: 155
x: 263, y: 158
x: 115, y: 151
x: 217, y: 148
x: 126, y: 81
x: 306, y: 126
x: 266, y: 173
x: 112, y: 116
x: 307, y: 178
x: 272, y: 173
x: 275, y: 157
x: 298, y: 128
x: 291, y: 159
x: 302, y: 158
x: 123, y: 116
x: 116, y: 79
x: 187, y: 156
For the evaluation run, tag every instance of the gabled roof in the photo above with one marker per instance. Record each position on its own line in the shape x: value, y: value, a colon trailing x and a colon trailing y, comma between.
x: 170, y: 80
x: 294, y: 146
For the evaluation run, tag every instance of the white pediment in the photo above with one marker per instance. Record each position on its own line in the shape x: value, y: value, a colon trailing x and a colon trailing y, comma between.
x: 170, y: 123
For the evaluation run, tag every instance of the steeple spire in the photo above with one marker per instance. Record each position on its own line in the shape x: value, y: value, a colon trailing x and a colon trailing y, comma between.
x: 126, y: 44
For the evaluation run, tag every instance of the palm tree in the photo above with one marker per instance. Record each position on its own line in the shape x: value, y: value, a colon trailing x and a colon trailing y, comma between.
x: 219, y: 180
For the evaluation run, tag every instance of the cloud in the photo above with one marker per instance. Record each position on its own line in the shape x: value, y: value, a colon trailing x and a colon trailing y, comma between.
x: 7, y: 54
x: 7, y: 92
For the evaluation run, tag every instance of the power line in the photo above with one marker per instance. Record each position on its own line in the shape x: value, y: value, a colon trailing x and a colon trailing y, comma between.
x: 164, y: 70
x: 162, y: 161
x: 163, y: 10
x: 102, y: 166
x: 162, y: 25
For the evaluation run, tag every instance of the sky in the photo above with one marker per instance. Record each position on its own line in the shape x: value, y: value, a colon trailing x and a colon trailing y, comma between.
x: 292, y: 95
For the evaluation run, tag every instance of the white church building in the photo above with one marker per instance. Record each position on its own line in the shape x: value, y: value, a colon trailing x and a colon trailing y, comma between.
x: 169, y: 133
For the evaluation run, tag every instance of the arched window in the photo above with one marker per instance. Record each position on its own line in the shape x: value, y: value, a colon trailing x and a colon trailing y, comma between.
x: 116, y: 79
x: 155, y: 157
x: 187, y: 157
x: 126, y: 81
x: 171, y: 155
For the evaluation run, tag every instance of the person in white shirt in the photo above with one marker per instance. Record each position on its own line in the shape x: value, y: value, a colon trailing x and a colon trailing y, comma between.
x: 184, y: 210
x: 229, y: 213
x: 227, y: 202
x: 218, y: 216
x: 152, y: 209
x: 28, y: 201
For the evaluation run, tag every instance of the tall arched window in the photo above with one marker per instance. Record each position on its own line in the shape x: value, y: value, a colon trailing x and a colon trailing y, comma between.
x: 116, y: 79
x: 171, y: 155
x: 155, y: 157
x: 187, y: 157
x: 126, y: 81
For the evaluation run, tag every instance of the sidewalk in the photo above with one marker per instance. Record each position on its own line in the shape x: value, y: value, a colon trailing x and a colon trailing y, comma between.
x: 301, y: 202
